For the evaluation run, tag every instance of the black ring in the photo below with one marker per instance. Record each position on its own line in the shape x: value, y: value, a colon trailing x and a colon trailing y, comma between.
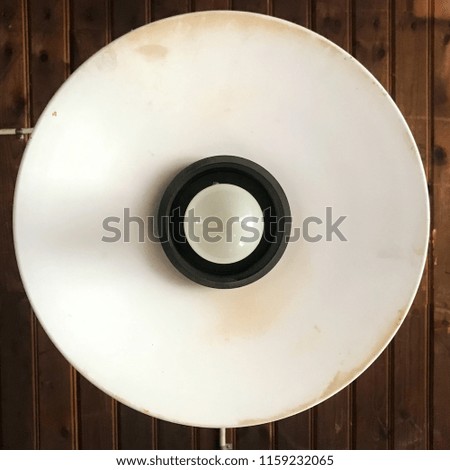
x: 249, y: 176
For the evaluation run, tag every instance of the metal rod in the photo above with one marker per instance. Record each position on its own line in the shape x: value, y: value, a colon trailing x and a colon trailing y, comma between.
x: 21, y: 131
x: 223, y: 440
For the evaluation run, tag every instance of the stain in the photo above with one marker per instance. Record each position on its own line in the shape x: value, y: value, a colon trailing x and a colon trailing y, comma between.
x: 8, y: 50
x: 380, y: 53
x: 153, y: 51
x: 420, y: 251
x: 446, y: 39
x: 376, y: 23
x: 332, y: 24
x: 252, y: 310
x: 197, y: 23
x: 278, y: 416
x: 439, y: 155
x: 47, y: 13
x: 54, y: 113
x: 64, y: 432
x: 43, y: 56
x: 90, y: 14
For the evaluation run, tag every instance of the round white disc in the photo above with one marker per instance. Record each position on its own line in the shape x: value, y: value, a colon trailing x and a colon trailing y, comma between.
x: 155, y: 101
x: 223, y: 223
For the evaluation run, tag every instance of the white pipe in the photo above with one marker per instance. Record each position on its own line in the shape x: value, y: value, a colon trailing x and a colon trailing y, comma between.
x: 20, y: 131
x: 223, y: 440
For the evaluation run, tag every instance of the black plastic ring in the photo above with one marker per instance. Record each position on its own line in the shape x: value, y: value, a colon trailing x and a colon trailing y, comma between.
x: 231, y: 170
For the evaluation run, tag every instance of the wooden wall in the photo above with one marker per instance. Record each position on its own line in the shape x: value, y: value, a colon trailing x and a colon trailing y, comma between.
x: 401, y: 401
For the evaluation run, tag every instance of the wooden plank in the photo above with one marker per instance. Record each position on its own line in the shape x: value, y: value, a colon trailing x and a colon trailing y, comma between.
x: 89, y: 31
x: 48, y: 58
x: 207, y: 439
x: 253, y: 437
x: 256, y: 6
x: 48, y: 70
x: 128, y: 15
x: 333, y: 20
x: 296, y: 431
x: 333, y: 417
x: 164, y: 8
x: 410, y: 417
x: 441, y: 230
x: 172, y: 436
x: 18, y: 411
x: 12, y: 65
x: 96, y: 417
x: 371, y: 391
x: 203, y: 5
x: 296, y: 11
x: 135, y: 430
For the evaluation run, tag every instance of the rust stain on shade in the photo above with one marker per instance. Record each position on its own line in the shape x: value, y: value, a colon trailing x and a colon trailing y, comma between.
x: 340, y: 380
x: 153, y: 51
x: 54, y: 113
x: 251, y: 310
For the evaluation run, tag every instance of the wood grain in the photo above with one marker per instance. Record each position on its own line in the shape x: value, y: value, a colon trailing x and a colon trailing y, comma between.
x: 441, y: 231
x: 18, y: 413
x: 295, y: 432
x: 169, y: 435
x: 411, y: 352
x: 371, y: 392
x: 400, y: 402
x: 333, y: 418
x: 48, y: 69
x: 96, y: 412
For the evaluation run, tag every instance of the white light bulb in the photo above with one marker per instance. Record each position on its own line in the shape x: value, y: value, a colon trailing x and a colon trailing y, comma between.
x: 223, y: 223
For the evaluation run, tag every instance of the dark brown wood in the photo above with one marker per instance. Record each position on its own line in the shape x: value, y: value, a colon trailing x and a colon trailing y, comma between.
x: 202, y: 5
x: 253, y: 437
x: 174, y: 436
x: 207, y: 439
x: 89, y: 31
x: 410, y: 387
x: 441, y: 229
x: 332, y: 19
x: 296, y: 11
x: 164, y: 8
x: 256, y: 6
x: 128, y: 15
x: 400, y: 401
x: 371, y: 395
x: 49, y: 65
x: 13, y: 101
x: 48, y: 70
x: 294, y: 432
x: 96, y: 417
x: 18, y: 413
x: 333, y: 418
x: 135, y: 430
